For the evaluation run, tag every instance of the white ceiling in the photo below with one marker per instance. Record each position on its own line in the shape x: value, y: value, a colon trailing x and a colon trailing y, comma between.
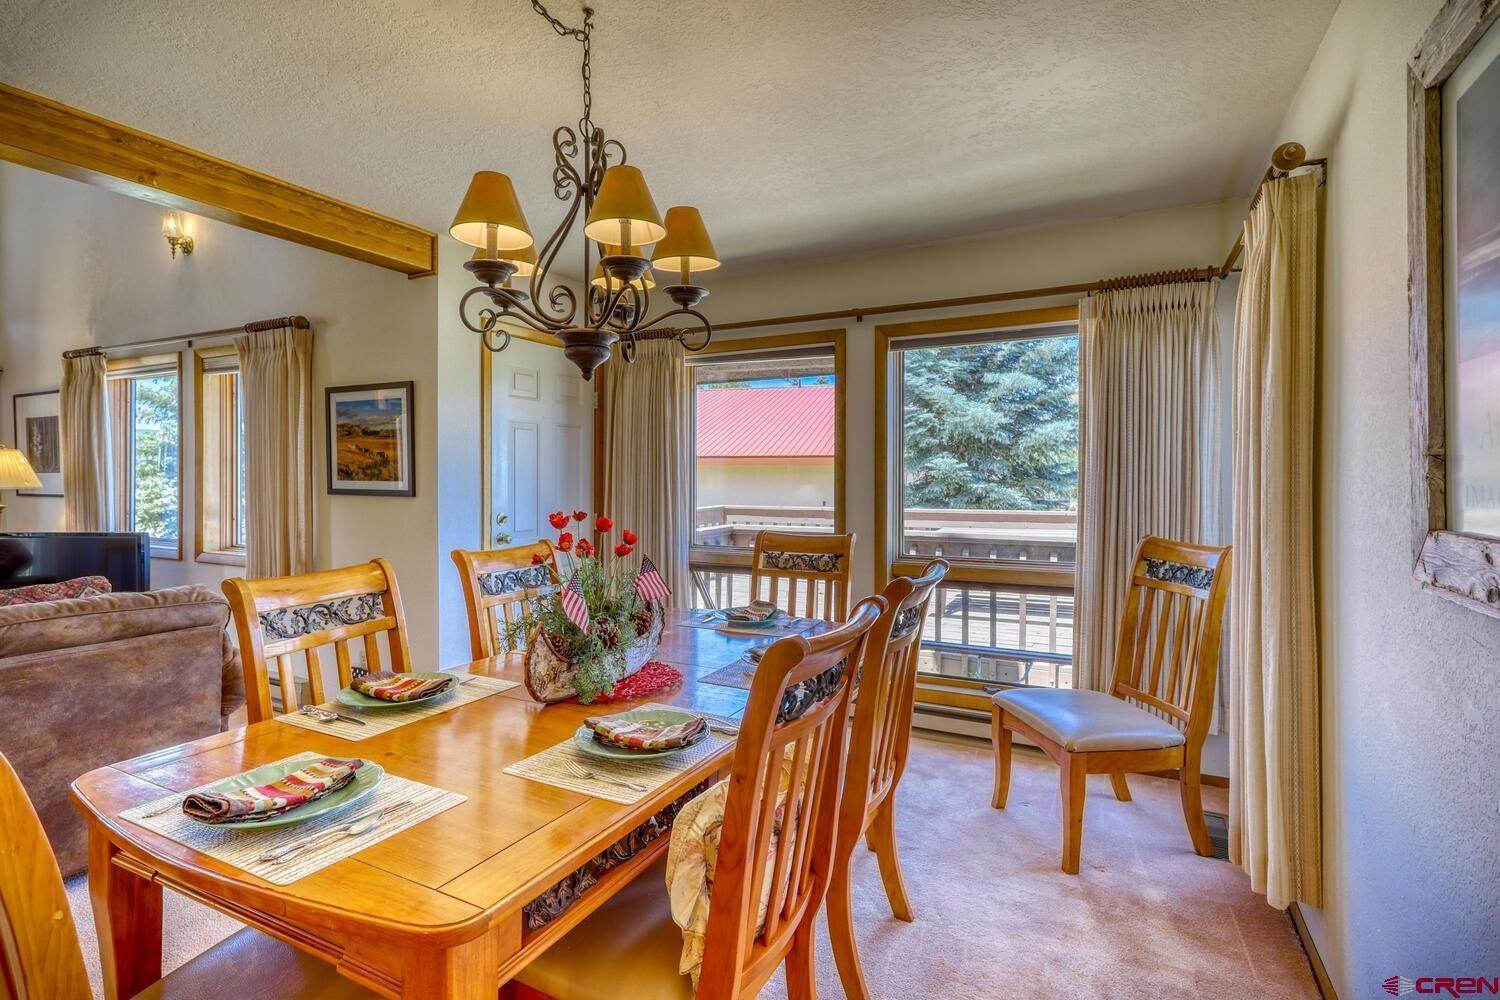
x: 802, y: 129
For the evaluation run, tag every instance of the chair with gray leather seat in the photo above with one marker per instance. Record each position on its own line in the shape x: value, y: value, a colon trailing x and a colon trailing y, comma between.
x: 1157, y: 712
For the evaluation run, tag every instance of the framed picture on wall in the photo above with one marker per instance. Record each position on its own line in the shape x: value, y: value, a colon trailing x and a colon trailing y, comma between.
x: 371, y: 447
x: 38, y: 436
x: 1454, y: 281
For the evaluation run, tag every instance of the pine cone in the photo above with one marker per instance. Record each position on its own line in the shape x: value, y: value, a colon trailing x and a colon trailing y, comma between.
x: 642, y: 619
x: 609, y: 633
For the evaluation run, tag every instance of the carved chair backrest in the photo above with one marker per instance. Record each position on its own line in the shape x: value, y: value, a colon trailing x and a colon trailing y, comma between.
x: 501, y: 585
x: 820, y: 564
x: 885, y: 699
x: 279, y: 617
x: 1167, y: 656
x: 782, y: 807
x: 39, y: 951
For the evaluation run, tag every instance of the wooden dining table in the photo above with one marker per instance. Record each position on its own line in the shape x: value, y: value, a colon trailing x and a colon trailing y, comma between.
x: 452, y: 907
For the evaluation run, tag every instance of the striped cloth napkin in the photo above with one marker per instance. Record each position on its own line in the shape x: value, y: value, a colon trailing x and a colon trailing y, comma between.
x: 388, y: 686
x: 752, y: 613
x: 618, y: 732
x: 307, y: 784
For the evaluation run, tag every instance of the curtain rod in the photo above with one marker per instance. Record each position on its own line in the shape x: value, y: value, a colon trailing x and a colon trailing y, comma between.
x: 295, y: 322
x: 1285, y: 158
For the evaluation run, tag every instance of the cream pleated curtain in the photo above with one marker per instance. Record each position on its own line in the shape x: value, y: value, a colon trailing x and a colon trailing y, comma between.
x: 1148, y: 455
x: 276, y: 381
x: 88, y: 499
x: 1275, y: 827
x: 648, y: 455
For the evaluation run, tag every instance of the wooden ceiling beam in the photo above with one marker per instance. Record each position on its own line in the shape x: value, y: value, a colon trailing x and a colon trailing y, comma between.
x: 40, y: 133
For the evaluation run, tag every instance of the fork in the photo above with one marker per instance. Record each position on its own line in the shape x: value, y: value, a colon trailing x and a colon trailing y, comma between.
x: 577, y: 770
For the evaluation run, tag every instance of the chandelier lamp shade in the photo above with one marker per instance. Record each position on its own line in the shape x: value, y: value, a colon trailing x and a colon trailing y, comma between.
x: 620, y: 223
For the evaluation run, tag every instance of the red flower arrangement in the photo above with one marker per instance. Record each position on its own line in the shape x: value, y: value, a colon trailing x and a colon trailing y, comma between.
x: 603, y: 524
x: 558, y: 520
x: 623, y: 549
x: 580, y: 515
x: 629, y: 536
x: 565, y: 542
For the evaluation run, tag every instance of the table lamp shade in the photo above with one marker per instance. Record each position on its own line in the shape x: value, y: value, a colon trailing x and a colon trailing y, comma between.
x: 16, y: 472
x: 686, y: 241
x: 491, y: 201
x: 624, y: 197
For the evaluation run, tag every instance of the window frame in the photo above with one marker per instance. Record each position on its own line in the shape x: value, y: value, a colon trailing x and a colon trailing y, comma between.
x: 206, y: 363
x: 713, y: 557
x: 942, y: 691
x: 144, y: 366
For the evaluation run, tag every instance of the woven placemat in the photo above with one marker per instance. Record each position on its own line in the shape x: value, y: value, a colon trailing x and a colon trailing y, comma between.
x: 241, y: 848
x: 383, y: 720
x: 649, y: 773
x: 739, y: 674
x: 780, y: 630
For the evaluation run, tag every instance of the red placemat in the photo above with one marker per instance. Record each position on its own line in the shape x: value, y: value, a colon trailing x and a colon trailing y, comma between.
x: 653, y: 677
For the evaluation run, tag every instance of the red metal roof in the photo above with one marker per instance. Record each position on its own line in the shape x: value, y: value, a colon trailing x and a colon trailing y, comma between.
x: 780, y: 422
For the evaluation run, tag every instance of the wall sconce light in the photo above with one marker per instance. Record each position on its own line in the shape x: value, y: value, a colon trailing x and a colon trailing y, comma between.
x: 176, y: 234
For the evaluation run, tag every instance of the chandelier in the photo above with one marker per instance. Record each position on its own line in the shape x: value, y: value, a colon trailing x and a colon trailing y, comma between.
x: 591, y: 176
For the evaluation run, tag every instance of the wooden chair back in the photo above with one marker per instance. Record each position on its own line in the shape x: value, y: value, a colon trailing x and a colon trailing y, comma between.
x: 778, y: 834
x: 1167, y: 655
x: 39, y: 951
x: 819, y: 563
x: 886, y: 698
x: 500, y: 585
x: 278, y: 617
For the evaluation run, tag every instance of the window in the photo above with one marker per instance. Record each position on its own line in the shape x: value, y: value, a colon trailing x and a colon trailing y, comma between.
x: 989, y: 449
x: 767, y: 418
x: 221, y: 458
x: 981, y: 453
x: 146, y: 442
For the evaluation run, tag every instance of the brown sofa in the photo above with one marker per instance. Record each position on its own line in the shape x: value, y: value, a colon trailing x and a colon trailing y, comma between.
x: 92, y: 681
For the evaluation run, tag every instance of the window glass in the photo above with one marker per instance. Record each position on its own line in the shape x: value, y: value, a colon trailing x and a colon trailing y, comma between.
x: 146, y: 433
x: 989, y: 450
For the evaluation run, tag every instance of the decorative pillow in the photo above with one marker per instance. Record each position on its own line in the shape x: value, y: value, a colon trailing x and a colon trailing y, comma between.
x: 83, y: 586
x: 692, y: 857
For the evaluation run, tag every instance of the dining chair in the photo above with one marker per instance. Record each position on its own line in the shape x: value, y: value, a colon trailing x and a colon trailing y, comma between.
x: 40, y: 955
x: 500, y: 585
x: 277, y: 617
x: 878, y: 746
x: 820, y: 563
x: 1158, y: 708
x: 776, y: 845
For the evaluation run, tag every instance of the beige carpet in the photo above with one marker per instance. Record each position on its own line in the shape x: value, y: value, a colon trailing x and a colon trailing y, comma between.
x: 995, y: 916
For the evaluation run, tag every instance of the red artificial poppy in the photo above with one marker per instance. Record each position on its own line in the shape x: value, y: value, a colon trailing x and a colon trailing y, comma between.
x: 580, y: 515
x: 565, y: 541
x: 603, y: 524
x: 536, y: 559
x: 559, y: 520
x: 585, y: 547
x: 624, y: 550
x: 629, y: 537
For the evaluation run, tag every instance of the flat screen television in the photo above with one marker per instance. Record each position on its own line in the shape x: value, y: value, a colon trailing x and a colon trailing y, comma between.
x: 30, y: 557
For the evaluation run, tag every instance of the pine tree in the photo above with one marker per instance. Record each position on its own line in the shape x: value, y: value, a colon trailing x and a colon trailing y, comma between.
x: 992, y: 426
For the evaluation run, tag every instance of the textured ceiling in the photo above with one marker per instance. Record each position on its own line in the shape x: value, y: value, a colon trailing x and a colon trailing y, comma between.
x: 801, y: 129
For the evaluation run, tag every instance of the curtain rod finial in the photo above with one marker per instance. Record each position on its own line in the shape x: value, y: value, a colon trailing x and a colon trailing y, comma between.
x: 1288, y: 156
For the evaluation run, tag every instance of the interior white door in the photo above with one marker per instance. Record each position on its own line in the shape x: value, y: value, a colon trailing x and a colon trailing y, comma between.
x: 542, y: 438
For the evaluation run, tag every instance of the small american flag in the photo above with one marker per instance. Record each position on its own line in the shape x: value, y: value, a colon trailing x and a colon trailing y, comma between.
x: 649, y: 584
x: 573, y: 604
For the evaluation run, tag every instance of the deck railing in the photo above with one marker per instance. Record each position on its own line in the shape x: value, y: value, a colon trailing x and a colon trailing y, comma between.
x: 992, y: 633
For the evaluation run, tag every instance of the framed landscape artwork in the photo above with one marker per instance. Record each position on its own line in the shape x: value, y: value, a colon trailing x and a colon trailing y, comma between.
x: 371, y: 451
x: 38, y: 435
x: 1454, y: 282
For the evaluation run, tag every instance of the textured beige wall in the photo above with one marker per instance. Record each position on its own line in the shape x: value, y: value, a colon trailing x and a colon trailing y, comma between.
x: 1411, y: 682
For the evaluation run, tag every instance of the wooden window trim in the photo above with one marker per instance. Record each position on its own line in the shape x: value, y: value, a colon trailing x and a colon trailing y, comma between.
x: 127, y: 368
x: 205, y: 534
x: 962, y: 571
x: 701, y: 556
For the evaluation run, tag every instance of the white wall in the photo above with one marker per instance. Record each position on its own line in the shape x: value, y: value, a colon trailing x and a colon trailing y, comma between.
x: 1411, y: 682
x: 82, y: 266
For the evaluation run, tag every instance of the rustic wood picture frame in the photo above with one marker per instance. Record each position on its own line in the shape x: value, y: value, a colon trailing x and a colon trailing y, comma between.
x: 1460, y: 567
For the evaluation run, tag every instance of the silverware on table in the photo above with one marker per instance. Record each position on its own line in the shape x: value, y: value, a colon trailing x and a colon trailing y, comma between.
x: 176, y: 803
x: 360, y: 825
x: 577, y: 770
x: 327, y: 715
x: 723, y: 727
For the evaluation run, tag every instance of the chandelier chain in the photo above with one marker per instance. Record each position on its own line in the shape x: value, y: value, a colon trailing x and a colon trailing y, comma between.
x: 585, y: 34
